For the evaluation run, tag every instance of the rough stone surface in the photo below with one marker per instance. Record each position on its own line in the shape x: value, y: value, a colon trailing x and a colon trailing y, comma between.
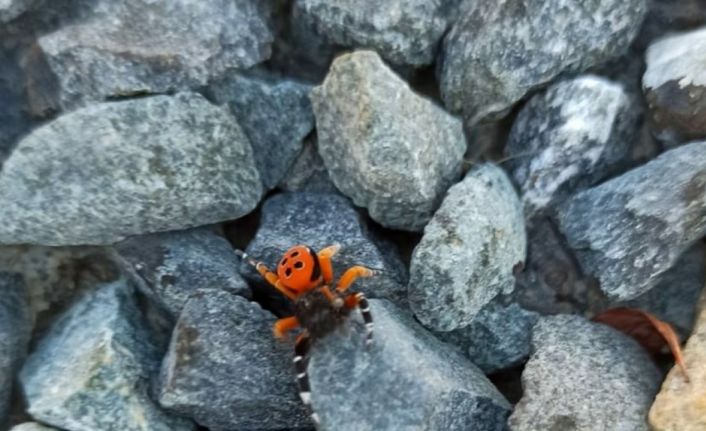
x: 90, y: 370
x: 129, y: 47
x: 15, y: 332
x: 663, y: 18
x: 10, y: 9
x: 104, y: 172
x: 498, y: 338
x: 629, y: 230
x: 14, y: 121
x: 469, y: 250
x: 171, y: 266
x: 679, y: 406
x: 407, y: 380
x: 404, y: 32
x: 568, y: 138
x: 275, y: 114
x: 385, y: 147
x: 226, y: 370
x: 319, y: 220
x: 31, y: 426
x: 582, y: 376
x: 308, y: 173
x: 675, y: 86
x: 497, y: 52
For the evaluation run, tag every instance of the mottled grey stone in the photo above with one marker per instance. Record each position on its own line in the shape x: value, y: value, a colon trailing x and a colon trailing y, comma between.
x: 497, y: 52
x: 387, y: 148
x: 91, y: 370
x: 628, y: 231
x: 675, y: 86
x: 663, y: 18
x: 568, y: 138
x: 107, y: 171
x: 404, y: 32
x: 171, y: 266
x: 15, y: 332
x: 31, y: 426
x: 129, y: 47
x: 10, y: 9
x: 498, y: 338
x: 469, y: 250
x: 275, y: 114
x: 226, y: 370
x: 319, y: 220
x: 584, y: 375
x: 308, y: 173
x: 406, y: 380
x: 14, y: 118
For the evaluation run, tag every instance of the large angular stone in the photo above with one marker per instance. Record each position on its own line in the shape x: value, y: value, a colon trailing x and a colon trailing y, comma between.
x: 404, y: 32
x: 128, y: 47
x: 679, y: 406
x: 308, y: 173
x: 568, y: 138
x: 387, y: 148
x: 104, y: 172
x: 469, y: 250
x: 499, y: 51
x: 226, y: 370
x: 631, y: 229
x: 582, y: 376
x: 275, y: 114
x: 406, y: 380
x: 91, y: 370
x: 675, y: 86
x: 171, y: 266
x: 15, y: 332
x: 320, y: 220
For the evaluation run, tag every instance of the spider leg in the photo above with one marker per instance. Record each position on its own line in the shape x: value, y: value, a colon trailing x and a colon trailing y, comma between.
x: 359, y: 300
x: 301, y: 362
x: 268, y: 275
x: 351, y: 275
x: 325, y: 256
x: 282, y: 326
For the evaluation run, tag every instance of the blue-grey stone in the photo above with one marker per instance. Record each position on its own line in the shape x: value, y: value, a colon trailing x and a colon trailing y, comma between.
x: 15, y: 332
x: 308, y: 172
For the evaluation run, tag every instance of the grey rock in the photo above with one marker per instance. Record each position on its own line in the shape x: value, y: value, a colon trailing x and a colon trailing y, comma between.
x: 31, y: 426
x: 15, y: 332
x: 663, y: 18
x: 319, y: 220
x: 129, y: 47
x: 10, y: 9
x: 469, y: 250
x: 91, y: 369
x: 584, y: 375
x: 275, y: 114
x: 675, y: 87
x: 387, y: 148
x: 404, y: 32
x: 104, y: 172
x: 498, y: 338
x: 568, y: 138
x: 498, y: 52
x: 308, y: 173
x: 407, y: 380
x: 226, y: 370
x: 628, y: 231
x: 171, y: 266
x: 14, y: 119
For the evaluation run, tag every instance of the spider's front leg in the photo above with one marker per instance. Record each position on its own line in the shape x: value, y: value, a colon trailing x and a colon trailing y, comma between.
x: 268, y: 275
x: 324, y: 257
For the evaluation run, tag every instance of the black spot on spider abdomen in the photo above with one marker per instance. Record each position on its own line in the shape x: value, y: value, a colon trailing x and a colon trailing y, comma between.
x: 317, y: 314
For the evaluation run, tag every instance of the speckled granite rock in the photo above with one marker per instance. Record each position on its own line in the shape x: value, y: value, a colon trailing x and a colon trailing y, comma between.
x: 308, y: 173
x: 675, y: 86
x: 387, y: 148
x: 407, y: 380
x: 274, y: 113
x: 170, y: 266
x: 569, y: 137
x: 631, y: 229
x: 679, y: 406
x: 10, y: 9
x: 129, y: 47
x: 104, y: 172
x: 497, y: 52
x: 584, y: 375
x: 90, y: 370
x: 404, y: 32
x: 15, y: 332
x: 469, y: 249
x: 226, y: 370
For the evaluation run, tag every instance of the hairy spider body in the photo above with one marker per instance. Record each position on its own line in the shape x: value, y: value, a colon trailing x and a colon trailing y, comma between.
x: 318, y: 315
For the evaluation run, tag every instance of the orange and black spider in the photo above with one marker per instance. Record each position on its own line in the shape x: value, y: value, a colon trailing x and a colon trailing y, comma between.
x: 306, y: 277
